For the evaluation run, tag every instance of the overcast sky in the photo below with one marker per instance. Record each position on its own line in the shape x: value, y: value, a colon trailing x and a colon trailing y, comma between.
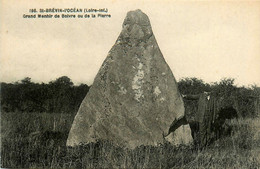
x: 207, y: 40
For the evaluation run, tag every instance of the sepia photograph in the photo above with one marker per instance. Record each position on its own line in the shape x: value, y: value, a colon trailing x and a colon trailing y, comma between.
x: 129, y: 84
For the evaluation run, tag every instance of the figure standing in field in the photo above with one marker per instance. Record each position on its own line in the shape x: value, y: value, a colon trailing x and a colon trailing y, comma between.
x: 207, y: 121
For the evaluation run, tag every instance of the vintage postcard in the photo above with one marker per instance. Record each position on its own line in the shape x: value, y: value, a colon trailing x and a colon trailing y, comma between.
x: 130, y: 84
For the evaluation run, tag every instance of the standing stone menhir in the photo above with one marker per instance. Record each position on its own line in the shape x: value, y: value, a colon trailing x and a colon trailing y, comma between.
x: 134, y: 97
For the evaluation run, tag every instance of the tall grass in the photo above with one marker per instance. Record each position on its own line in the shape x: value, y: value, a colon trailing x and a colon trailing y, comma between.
x: 31, y: 140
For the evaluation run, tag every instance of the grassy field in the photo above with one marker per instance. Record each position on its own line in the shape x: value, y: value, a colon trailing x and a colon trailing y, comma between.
x: 33, y: 140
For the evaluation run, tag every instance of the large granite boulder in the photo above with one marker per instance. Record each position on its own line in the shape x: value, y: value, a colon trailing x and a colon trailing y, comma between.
x: 134, y: 97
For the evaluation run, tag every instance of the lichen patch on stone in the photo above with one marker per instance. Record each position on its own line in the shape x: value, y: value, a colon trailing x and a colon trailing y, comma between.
x: 140, y: 66
x: 157, y: 91
x: 162, y: 99
x: 122, y: 90
x: 138, y: 82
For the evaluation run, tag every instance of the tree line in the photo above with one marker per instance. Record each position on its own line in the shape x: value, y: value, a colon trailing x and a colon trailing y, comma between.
x: 62, y: 96
x: 58, y: 96
x: 245, y: 99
